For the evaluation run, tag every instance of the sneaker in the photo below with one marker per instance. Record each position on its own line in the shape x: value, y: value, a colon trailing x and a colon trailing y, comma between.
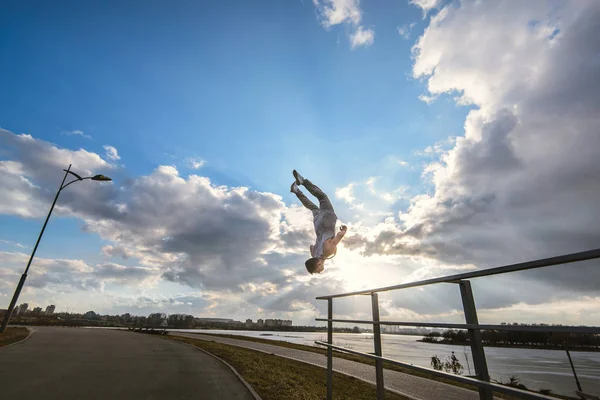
x: 294, y: 188
x: 299, y: 178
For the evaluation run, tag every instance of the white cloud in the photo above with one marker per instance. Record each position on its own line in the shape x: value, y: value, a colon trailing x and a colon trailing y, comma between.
x: 345, y: 193
x: 565, y: 312
x: 116, y: 251
x: 437, y: 148
x: 396, y: 194
x: 17, y: 198
x: 362, y: 37
x: 404, y: 30
x: 72, y: 275
x: 111, y: 153
x: 371, y: 200
x: 402, y: 163
x: 426, y: 5
x: 427, y: 99
x: 370, y: 183
x: 198, y: 232
x: 33, y: 171
x: 11, y: 243
x: 336, y: 12
x: 76, y: 133
x: 518, y: 184
x: 170, y: 170
x: 195, y: 163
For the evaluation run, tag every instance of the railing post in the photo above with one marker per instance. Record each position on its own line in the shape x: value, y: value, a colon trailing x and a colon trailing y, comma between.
x: 378, y: 352
x: 475, y: 338
x: 329, y: 349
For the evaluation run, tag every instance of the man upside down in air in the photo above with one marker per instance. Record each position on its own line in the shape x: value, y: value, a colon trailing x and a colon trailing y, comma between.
x: 324, y: 220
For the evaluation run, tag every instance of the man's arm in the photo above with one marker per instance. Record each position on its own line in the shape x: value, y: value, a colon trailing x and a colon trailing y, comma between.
x: 340, y: 235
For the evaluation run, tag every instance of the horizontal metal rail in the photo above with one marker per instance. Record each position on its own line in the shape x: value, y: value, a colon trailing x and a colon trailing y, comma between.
x: 546, y: 262
x: 523, y: 394
x: 518, y: 328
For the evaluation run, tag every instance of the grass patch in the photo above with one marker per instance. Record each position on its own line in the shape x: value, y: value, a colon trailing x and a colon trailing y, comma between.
x: 275, y: 378
x: 12, y: 335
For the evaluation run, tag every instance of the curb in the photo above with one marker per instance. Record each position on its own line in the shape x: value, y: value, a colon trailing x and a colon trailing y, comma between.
x: 20, y: 341
x: 237, y: 374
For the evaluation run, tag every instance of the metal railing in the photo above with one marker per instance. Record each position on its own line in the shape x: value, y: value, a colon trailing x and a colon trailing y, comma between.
x: 482, y: 380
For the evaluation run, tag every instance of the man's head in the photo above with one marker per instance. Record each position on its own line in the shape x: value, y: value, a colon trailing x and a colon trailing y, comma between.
x: 315, y: 265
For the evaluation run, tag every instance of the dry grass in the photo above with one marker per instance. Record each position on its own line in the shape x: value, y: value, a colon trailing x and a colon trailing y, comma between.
x: 12, y: 335
x: 275, y: 378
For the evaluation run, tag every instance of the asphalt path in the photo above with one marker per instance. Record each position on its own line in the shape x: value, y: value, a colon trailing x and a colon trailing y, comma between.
x: 81, y: 363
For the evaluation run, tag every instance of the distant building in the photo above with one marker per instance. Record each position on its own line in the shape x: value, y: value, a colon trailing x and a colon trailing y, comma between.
x: 390, y: 329
x: 260, y: 322
x: 23, y: 308
x: 249, y: 323
x: 220, y: 320
x: 37, y: 310
x: 276, y: 322
x: 50, y: 310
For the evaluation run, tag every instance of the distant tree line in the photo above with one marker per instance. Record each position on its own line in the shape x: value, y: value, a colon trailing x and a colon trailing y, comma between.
x: 497, y: 338
x: 294, y: 328
x: 173, y: 321
x: 181, y: 322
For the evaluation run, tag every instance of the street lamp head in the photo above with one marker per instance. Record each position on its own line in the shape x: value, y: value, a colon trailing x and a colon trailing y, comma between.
x: 101, y: 178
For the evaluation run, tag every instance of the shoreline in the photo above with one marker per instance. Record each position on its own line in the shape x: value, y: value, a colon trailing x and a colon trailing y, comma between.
x: 516, y: 346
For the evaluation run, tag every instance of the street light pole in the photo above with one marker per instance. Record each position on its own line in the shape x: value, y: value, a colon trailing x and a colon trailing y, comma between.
x: 13, y: 302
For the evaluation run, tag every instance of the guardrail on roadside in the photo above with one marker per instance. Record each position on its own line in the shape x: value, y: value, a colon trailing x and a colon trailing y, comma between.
x: 482, y: 379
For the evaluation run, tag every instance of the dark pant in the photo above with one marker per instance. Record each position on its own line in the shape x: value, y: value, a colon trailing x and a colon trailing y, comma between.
x: 324, y: 203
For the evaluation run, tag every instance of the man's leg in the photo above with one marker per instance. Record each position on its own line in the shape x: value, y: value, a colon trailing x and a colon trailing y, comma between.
x: 303, y: 199
x: 324, y: 203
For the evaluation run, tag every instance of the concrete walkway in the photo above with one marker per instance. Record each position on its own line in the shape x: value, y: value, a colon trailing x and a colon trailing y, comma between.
x: 79, y: 363
x: 407, y: 385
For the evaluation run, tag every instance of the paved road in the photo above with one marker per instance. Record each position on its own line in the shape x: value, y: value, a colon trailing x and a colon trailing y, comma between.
x: 408, y: 385
x: 79, y: 363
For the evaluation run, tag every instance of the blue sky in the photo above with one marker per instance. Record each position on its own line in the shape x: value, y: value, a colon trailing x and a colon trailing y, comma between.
x: 228, y: 82
x: 252, y: 90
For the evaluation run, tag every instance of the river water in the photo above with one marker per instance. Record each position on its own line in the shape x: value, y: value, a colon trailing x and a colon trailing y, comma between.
x: 537, y: 369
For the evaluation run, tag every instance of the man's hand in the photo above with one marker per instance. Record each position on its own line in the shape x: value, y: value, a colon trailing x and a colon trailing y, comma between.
x: 340, y: 235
